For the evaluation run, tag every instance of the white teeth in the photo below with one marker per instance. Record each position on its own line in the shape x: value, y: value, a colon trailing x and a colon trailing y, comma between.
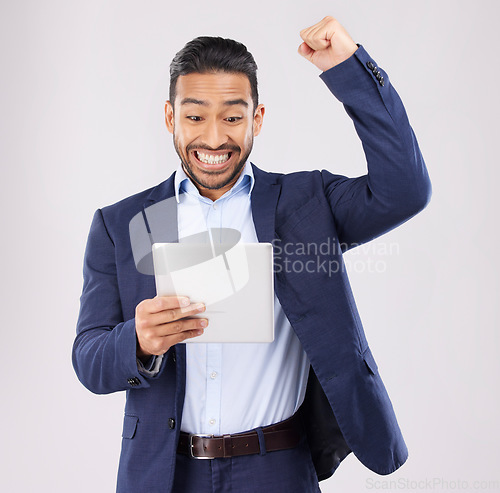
x: 211, y: 158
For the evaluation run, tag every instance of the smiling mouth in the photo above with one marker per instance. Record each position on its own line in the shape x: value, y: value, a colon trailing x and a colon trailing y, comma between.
x: 211, y: 158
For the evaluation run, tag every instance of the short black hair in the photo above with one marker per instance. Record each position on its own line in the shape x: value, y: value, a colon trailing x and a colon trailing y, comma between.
x: 214, y: 54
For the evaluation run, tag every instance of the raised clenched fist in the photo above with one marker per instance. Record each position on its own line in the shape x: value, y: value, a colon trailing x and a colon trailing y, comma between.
x: 326, y: 44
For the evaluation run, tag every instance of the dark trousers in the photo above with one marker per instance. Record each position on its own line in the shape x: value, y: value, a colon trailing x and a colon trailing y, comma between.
x: 287, y: 471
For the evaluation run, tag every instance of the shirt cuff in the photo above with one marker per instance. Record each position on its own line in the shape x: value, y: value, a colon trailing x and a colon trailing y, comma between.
x: 152, y: 367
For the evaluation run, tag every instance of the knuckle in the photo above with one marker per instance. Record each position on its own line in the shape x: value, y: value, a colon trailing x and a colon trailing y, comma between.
x: 158, y: 347
x: 145, y: 306
x: 139, y: 309
x: 171, y: 314
x: 145, y: 334
x: 148, y: 323
x: 139, y: 324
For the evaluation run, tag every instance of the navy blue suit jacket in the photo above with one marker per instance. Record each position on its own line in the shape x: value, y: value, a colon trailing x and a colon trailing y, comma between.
x: 347, y: 407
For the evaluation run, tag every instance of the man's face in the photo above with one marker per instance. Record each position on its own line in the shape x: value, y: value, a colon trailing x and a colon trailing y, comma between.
x: 213, y: 124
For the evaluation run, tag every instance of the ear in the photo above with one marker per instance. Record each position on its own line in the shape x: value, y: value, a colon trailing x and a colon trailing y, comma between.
x: 169, y: 116
x: 258, y: 119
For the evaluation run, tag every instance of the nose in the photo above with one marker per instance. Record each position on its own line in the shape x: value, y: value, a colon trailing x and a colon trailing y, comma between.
x: 214, y: 135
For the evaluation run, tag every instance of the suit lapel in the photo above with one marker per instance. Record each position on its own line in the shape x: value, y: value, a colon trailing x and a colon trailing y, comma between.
x: 265, y: 195
x: 160, y: 213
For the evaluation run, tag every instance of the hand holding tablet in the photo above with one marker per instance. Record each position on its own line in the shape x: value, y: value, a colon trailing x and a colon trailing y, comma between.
x: 164, y: 321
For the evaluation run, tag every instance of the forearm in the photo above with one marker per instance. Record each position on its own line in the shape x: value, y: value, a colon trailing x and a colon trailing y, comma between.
x: 104, y: 351
x: 397, y: 184
x: 105, y: 360
x: 396, y: 169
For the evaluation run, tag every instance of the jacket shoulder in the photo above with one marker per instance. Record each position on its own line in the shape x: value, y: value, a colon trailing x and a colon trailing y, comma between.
x: 131, y: 201
x: 294, y: 178
x: 304, y: 184
x: 128, y: 207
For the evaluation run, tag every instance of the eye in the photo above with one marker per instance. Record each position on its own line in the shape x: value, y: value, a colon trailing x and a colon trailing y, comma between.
x: 233, y: 119
x: 194, y: 118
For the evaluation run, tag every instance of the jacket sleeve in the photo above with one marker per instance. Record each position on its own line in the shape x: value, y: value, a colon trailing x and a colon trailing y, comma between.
x: 397, y: 184
x: 104, y: 351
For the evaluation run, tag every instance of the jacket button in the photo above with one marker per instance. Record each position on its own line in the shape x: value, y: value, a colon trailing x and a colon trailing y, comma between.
x: 370, y: 65
x: 134, y: 381
x: 171, y: 423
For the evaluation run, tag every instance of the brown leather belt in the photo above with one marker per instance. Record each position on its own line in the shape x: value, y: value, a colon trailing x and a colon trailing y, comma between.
x: 280, y: 436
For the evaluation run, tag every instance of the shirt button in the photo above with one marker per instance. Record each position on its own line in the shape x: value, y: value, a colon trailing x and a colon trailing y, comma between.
x: 212, y: 422
x: 214, y: 206
x: 213, y: 375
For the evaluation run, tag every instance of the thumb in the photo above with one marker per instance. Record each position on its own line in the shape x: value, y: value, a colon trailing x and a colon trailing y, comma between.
x: 306, y: 51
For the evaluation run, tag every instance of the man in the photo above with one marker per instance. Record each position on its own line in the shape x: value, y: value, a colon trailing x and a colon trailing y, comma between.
x: 275, y: 417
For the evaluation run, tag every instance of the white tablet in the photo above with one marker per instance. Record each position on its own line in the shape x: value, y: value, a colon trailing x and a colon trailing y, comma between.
x: 235, y: 281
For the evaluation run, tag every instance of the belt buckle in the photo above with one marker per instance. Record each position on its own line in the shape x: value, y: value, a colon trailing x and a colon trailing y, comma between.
x: 199, y: 435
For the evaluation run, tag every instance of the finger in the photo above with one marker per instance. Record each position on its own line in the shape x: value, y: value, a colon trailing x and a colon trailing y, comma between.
x: 318, y: 39
x: 158, y: 340
x: 179, y: 326
x: 318, y: 36
x: 171, y: 315
x: 161, y: 303
x: 306, y: 51
x: 308, y: 32
x: 305, y: 33
x: 182, y: 336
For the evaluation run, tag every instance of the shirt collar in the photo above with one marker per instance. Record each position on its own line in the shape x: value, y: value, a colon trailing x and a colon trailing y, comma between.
x: 182, y: 183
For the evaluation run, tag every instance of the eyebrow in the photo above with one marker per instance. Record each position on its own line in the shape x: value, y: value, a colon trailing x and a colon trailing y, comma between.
x: 193, y: 101
x: 235, y: 102
x: 232, y: 102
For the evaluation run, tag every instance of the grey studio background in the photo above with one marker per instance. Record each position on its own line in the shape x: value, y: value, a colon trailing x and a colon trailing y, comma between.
x: 82, y: 92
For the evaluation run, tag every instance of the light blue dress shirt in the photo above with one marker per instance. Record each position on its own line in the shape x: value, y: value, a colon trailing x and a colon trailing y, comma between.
x: 230, y: 387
